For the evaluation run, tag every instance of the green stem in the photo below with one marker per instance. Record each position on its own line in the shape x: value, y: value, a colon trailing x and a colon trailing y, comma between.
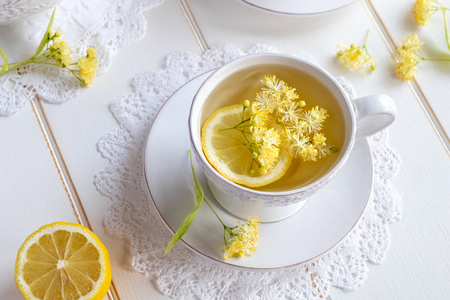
x: 436, y: 59
x: 225, y: 226
x: 232, y: 138
x: 367, y: 38
x: 19, y: 64
x: 5, y: 62
x: 243, y: 133
x: 447, y: 34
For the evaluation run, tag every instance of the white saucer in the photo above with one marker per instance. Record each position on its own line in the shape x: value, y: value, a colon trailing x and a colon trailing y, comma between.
x: 320, y: 225
x: 297, y: 7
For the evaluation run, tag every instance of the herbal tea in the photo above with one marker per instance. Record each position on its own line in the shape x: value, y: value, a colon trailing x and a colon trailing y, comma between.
x: 229, y: 131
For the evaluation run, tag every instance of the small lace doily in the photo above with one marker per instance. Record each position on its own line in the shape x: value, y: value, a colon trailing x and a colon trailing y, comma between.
x: 103, y: 24
x: 185, y: 274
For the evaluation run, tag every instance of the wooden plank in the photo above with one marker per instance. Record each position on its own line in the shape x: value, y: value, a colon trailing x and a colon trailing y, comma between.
x: 431, y: 80
x: 78, y: 125
x: 31, y: 193
x: 416, y: 266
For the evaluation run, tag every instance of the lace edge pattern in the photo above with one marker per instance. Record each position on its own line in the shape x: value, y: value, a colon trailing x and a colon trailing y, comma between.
x: 344, y: 266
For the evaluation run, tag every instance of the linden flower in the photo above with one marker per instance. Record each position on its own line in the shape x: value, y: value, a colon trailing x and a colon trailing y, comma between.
x: 290, y: 112
x: 319, y: 140
x: 320, y: 145
x: 290, y: 93
x: 270, y: 149
x: 264, y: 101
x: 356, y: 57
x: 423, y: 9
x: 410, y: 45
x: 312, y: 119
x: 260, y: 116
x: 406, y: 68
x: 296, y: 128
x: 267, y: 147
x: 273, y: 84
x: 407, y: 52
x: 310, y: 153
x: 243, y: 240
x: 59, y: 50
x: 87, y: 67
x: 297, y: 145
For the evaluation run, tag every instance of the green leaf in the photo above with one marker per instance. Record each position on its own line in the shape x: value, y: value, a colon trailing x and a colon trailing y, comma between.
x: 199, y: 197
x: 45, y: 38
x: 5, y: 63
x: 447, y: 34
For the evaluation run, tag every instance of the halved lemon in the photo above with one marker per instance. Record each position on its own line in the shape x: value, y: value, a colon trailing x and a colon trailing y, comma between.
x: 63, y: 261
x: 226, y: 153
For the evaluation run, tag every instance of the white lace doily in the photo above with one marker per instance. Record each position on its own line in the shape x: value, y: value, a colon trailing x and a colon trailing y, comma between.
x: 185, y: 274
x: 102, y: 24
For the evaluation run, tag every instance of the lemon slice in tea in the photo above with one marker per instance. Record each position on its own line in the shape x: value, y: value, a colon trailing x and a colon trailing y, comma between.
x: 226, y: 153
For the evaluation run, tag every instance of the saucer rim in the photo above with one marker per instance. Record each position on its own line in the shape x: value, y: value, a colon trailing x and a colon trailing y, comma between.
x: 228, y: 264
x: 293, y: 14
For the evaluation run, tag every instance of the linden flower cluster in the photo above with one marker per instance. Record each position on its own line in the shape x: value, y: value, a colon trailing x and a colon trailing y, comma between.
x: 54, y: 50
x: 243, y: 239
x: 356, y: 57
x: 423, y: 9
x: 278, y: 120
x: 409, y: 54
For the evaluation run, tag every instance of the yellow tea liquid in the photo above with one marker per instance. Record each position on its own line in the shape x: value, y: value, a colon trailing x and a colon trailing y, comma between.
x: 246, y: 83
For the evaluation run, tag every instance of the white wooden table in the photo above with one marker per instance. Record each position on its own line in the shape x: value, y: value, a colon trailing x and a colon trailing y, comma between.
x: 48, y: 154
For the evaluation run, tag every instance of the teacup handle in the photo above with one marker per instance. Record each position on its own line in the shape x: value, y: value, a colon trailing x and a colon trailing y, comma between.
x: 373, y: 113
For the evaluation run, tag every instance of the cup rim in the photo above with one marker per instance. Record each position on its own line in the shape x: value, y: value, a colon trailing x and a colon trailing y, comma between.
x: 199, y: 152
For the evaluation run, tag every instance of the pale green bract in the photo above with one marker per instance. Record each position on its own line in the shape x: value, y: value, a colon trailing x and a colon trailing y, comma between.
x: 199, y: 197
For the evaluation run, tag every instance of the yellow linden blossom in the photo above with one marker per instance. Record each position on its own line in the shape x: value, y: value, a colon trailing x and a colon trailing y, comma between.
x: 406, y: 68
x: 273, y: 84
x: 59, y: 50
x: 260, y: 116
x: 313, y: 119
x: 410, y: 45
x: 320, y: 145
x: 267, y: 144
x: 264, y: 101
x: 310, y: 153
x: 290, y: 112
x: 296, y: 128
x: 407, y: 52
x: 290, y: 93
x: 270, y: 149
x: 356, y: 57
x: 87, y: 67
x: 297, y: 145
x: 244, y: 241
x: 319, y: 139
x: 423, y: 9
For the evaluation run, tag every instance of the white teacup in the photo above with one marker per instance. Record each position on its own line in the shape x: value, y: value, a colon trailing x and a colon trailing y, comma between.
x: 362, y: 117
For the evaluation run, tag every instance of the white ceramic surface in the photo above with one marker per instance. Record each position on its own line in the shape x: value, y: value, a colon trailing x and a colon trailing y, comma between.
x: 323, y: 222
x: 297, y: 7
x: 371, y: 114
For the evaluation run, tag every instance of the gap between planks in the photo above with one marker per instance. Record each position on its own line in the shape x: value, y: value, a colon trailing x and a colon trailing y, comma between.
x: 64, y: 175
x: 413, y: 84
